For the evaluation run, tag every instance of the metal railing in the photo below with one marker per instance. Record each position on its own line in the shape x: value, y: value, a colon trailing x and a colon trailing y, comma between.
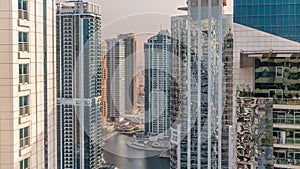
x: 290, y: 161
x: 293, y: 140
x: 24, y: 111
x: 23, y: 46
x: 24, y: 142
x: 287, y: 101
x: 23, y: 78
x: 294, y: 121
x: 23, y: 14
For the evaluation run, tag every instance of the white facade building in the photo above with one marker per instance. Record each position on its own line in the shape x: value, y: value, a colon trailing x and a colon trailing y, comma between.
x: 116, y: 80
x: 157, y: 83
x: 28, y: 84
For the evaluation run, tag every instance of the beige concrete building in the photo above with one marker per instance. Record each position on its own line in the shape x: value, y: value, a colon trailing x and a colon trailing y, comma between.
x: 27, y: 84
x: 104, y: 82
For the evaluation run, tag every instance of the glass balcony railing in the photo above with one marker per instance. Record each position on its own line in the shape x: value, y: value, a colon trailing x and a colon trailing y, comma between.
x: 23, y: 78
x: 289, y: 141
x: 287, y: 101
x: 23, y: 14
x: 24, y: 111
x: 293, y: 140
x: 287, y: 161
x: 294, y: 121
x: 23, y: 47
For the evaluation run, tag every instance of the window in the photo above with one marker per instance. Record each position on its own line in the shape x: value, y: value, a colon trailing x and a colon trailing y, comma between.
x: 24, y: 137
x: 24, y: 105
x: 279, y: 71
x: 23, y: 73
x: 23, y: 41
x: 24, y: 164
x: 23, y: 9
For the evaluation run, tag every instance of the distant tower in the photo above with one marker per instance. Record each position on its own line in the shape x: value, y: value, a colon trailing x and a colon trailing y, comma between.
x: 104, y: 82
x: 130, y: 71
x: 157, y: 83
x: 116, y: 100
x: 79, y: 82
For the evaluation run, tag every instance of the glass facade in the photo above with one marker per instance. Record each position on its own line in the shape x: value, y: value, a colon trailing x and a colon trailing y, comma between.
x: 157, y: 83
x: 277, y: 77
x: 79, y: 80
x: 278, y: 17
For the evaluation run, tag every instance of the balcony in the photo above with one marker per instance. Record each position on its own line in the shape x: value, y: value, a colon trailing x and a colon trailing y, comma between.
x: 287, y: 163
x: 23, y: 46
x: 289, y: 121
x: 289, y: 143
x: 23, y: 14
x: 287, y: 101
x: 289, y: 118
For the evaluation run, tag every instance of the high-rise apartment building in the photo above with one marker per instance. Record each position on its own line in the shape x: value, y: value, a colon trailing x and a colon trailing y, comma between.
x: 130, y: 71
x: 116, y: 100
x: 79, y: 83
x: 157, y: 83
x: 104, y: 82
x: 27, y: 83
x: 197, y: 86
x: 266, y: 65
x: 228, y: 96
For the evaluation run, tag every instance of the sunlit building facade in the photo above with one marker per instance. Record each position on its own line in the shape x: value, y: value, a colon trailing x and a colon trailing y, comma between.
x: 27, y: 83
x: 130, y: 47
x: 115, y: 87
x: 104, y: 82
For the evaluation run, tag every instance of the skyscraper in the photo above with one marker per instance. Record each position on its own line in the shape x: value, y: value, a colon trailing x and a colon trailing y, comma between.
x: 27, y: 83
x: 197, y: 80
x: 104, y: 82
x: 79, y: 82
x: 130, y: 71
x: 279, y: 18
x: 266, y: 64
x: 116, y: 101
x: 157, y: 83
x: 227, y: 148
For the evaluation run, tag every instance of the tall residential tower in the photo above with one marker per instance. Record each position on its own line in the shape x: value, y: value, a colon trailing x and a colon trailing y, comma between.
x: 116, y: 99
x: 79, y: 83
x: 130, y: 71
x: 157, y: 83
x: 27, y: 82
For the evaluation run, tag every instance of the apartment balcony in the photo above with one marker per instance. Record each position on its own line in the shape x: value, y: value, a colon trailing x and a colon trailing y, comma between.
x: 287, y: 121
x: 289, y: 143
x: 294, y: 101
x: 287, y: 163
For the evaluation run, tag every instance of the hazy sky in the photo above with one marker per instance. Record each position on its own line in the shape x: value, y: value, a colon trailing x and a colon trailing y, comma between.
x: 142, y: 17
x: 139, y: 16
